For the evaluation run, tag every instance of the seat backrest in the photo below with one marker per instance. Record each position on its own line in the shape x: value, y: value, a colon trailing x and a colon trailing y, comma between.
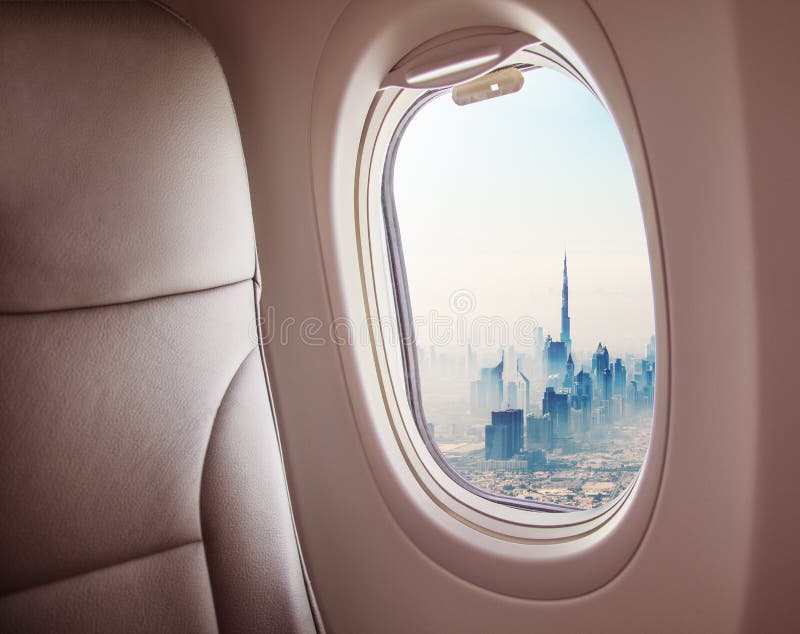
x: 141, y: 483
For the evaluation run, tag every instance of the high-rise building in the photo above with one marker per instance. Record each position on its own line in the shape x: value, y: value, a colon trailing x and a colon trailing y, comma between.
x: 600, y: 364
x: 496, y: 442
x: 527, y: 383
x: 632, y: 395
x: 557, y: 406
x: 513, y: 394
x: 648, y: 389
x: 477, y: 397
x: 545, y: 347
x: 540, y: 432
x: 538, y: 338
x: 486, y: 392
x: 651, y: 349
x: 647, y: 371
x: 569, y: 377
x: 537, y: 459
x: 583, y: 390
x: 504, y: 437
x: 555, y: 358
x: 582, y: 399
x: 607, y: 384
x: 620, y: 378
x: 565, y: 336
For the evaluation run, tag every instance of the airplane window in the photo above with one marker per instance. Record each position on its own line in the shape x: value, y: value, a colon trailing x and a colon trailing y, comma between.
x: 521, y: 255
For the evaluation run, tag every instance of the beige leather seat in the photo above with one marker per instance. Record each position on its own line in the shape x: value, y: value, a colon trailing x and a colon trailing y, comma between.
x: 141, y: 485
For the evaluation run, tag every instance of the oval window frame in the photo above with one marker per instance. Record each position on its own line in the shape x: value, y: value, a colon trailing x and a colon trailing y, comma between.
x: 390, y: 130
x: 542, y: 555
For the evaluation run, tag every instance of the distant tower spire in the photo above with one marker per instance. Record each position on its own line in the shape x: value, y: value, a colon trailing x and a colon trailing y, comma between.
x: 565, y: 309
x: 569, y: 377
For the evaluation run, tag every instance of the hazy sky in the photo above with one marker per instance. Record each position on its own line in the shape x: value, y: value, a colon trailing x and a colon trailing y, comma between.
x: 490, y: 195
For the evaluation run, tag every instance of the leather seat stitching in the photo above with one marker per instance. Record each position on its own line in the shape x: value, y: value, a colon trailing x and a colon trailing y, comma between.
x: 203, y: 471
x: 92, y: 571
x: 37, y: 586
x: 47, y: 311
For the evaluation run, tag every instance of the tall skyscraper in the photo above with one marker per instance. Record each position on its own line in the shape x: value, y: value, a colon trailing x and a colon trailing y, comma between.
x: 600, y: 363
x: 607, y: 384
x: 496, y: 439
x: 569, y: 377
x: 504, y: 437
x: 582, y: 398
x: 565, y: 338
x: 486, y: 393
x: 632, y: 394
x: 513, y: 395
x: 651, y: 349
x: 540, y: 432
x: 557, y: 406
x: 538, y: 337
x: 620, y: 378
x: 527, y: 383
x: 555, y: 353
x: 648, y: 389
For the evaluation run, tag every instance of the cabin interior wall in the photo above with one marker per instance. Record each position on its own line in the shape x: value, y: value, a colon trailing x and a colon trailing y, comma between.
x: 712, y: 116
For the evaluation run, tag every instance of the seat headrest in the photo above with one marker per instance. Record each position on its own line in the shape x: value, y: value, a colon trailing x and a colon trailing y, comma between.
x: 121, y: 169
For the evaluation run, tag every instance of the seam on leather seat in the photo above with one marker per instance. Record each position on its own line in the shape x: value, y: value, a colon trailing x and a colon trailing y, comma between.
x: 203, y: 471
x: 125, y: 303
x: 156, y: 553
x: 168, y: 548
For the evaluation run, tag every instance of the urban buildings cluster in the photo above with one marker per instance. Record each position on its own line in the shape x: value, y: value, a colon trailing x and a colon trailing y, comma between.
x: 573, y: 406
x: 544, y: 413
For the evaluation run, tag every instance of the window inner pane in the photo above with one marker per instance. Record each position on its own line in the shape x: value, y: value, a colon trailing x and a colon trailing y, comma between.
x: 530, y: 285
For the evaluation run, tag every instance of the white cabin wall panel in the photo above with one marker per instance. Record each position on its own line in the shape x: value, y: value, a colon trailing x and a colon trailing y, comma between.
x: 767, y: 56
x: 688, y: 96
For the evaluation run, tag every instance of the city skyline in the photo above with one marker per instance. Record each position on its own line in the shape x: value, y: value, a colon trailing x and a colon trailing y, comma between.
x: 459, y: 331
x: 538, y: 424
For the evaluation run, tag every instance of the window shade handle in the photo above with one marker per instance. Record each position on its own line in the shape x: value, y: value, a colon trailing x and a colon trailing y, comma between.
x: 456, y: 57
